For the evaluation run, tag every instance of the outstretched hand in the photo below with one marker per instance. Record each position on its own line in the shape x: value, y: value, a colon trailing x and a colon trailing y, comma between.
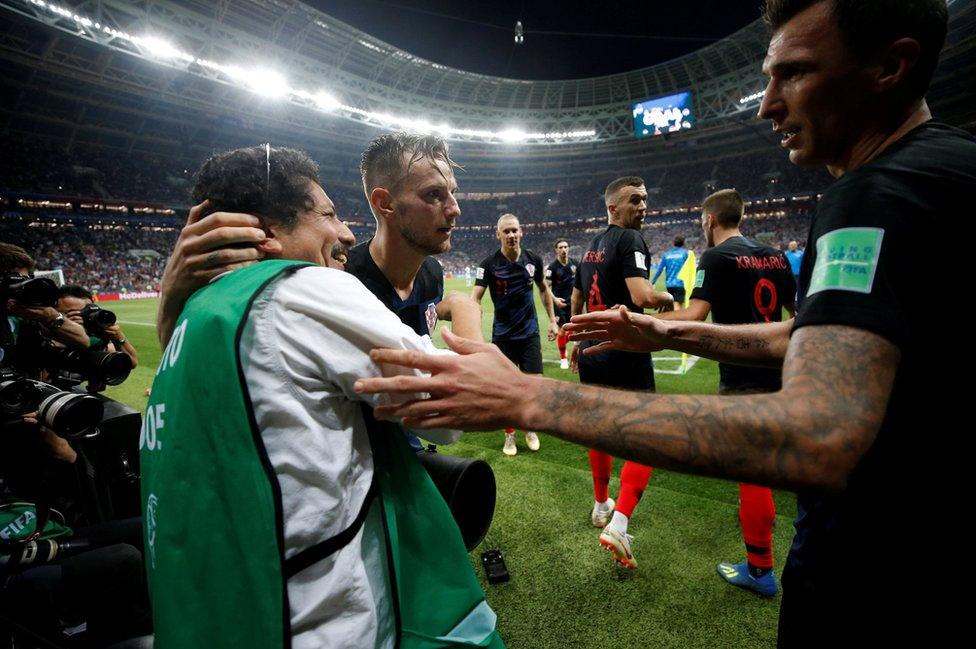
x: 476, y: 389
x: 618, y: 328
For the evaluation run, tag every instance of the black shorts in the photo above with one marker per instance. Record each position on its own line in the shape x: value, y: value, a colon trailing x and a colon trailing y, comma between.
x: 677, y: 293
x: 563, y: 315
x: 616, y: 369
x: 526, y: 353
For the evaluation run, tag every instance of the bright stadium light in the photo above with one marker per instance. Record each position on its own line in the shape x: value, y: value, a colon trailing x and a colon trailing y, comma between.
x: 325, y: 101
x: 266, y: 82
x: 159, y: 48
x: 512, y: 135
x: 753, y: 97
x: 272, y: 84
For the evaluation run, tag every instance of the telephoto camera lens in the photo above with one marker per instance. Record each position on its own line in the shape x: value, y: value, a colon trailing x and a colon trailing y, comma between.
x: 111, y: 367
x: 68, y: 414
x: 18, y: 397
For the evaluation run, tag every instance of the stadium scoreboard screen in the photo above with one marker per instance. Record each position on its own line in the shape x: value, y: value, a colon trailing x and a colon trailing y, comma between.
x: 663, y: 115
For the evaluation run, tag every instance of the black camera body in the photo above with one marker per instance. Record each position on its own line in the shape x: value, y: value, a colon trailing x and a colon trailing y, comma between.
x: 28, y: 291
x: 96, y: 319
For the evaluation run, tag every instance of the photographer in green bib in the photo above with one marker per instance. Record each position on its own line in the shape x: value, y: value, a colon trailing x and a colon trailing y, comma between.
x: 277, y: 511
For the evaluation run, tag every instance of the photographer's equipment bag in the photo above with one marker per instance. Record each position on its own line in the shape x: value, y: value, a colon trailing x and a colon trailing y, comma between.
x: 212, y: 511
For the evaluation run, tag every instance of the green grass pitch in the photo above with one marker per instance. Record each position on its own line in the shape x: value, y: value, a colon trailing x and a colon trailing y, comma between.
x: 565, y: 591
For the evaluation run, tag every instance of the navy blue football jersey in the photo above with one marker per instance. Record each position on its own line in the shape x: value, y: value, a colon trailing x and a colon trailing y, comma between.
x: 562, y: 277
x: 510, y: 286
x: 419, y: 310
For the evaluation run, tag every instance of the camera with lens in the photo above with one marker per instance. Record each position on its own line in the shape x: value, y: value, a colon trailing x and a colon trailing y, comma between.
x: 71, y: 366
x: 28, y: 291
x: 69, y: 414
x: 96, y: 319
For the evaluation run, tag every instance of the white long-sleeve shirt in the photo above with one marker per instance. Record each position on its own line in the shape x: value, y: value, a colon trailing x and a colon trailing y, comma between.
x: 306, y: 342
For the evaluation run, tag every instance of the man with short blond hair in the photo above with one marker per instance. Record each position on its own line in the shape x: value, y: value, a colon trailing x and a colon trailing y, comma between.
x: 508, y: 275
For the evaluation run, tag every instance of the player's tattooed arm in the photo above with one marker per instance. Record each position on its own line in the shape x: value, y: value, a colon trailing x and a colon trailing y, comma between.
x: 836, y: 385
x: 762, y: 344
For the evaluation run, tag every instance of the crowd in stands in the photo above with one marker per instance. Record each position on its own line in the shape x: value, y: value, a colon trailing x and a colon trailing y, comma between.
x: 127, y: 258
x: 105, y: 258
x: 41, y: 166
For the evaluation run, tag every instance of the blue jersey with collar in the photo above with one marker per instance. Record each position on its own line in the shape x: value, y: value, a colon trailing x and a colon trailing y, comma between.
x: 672, y: 261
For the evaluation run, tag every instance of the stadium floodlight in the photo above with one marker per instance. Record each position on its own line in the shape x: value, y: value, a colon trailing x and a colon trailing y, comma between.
x: 158, y: 47
x: 753, y: 97
x: 266, y: 82
x: 325, y: 101
x: 272, y: 84
x: 512, y: 135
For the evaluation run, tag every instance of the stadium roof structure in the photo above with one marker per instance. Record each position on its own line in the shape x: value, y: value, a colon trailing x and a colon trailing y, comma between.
x: 174, y: 75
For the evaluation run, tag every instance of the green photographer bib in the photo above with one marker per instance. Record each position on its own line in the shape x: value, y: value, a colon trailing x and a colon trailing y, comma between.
x: 212, y: 508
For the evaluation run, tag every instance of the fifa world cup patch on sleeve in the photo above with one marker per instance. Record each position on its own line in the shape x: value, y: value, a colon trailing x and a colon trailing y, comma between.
x: 700, y: 278
x: 480, y: 274
x: 847, y: 260
x: 640, y: 260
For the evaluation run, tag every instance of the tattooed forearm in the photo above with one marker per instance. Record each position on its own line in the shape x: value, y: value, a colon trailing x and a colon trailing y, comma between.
x: 754, y: 344
x: 812, y: 433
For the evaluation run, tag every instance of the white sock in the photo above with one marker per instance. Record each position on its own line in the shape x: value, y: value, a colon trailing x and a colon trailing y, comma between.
x: 603, y: 506
x: 619, y: 522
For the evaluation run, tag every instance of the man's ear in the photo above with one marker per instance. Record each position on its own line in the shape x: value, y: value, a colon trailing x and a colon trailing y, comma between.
x: 897, y: 63
x: 271, y: 246
x: 381, y: 202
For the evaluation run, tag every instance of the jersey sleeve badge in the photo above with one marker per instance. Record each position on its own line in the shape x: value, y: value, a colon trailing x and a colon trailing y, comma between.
x: 847, y: 260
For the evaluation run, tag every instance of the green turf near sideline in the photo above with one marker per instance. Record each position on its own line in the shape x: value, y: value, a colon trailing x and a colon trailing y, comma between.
x: 565, y: 591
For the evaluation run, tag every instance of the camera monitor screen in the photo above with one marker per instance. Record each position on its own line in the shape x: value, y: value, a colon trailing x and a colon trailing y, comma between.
x: 663, y: 115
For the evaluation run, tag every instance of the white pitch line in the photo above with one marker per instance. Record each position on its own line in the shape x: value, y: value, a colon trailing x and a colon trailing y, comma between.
x: 141, y: 324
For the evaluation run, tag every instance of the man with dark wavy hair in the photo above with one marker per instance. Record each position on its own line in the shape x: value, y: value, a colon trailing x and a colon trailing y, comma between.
x: 859, y: 428
x: 278, y: 512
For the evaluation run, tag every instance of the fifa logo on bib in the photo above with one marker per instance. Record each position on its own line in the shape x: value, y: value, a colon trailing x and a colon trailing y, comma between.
x: 151, y: 504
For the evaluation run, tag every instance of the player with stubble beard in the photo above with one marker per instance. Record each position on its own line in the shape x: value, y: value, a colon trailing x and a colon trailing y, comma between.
x: 409, y: 184
x: 614, y: 271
